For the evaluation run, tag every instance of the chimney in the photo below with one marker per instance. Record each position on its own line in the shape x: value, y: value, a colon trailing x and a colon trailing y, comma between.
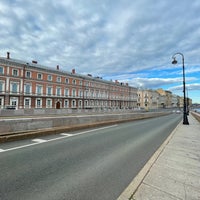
x: 8, y: 55
x: 57, y: 67
x: 34, y: 61
x: 73, y: 71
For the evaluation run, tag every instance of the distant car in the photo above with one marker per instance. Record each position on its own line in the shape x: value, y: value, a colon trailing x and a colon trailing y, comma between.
x: 178, y: 112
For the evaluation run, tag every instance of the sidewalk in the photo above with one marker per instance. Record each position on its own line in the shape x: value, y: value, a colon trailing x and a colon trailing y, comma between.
x: 173, y: 172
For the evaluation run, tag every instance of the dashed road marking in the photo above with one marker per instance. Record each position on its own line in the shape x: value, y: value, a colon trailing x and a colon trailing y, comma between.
x: 39, y: 140
x: 19, y: 147
x: 66, y: 134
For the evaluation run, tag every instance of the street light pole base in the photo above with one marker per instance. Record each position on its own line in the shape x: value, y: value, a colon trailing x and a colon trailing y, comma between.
x: 185, y: 120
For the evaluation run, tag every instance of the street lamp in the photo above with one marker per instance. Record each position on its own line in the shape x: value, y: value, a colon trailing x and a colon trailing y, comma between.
x: 185, y: 119
x: 187, y: 101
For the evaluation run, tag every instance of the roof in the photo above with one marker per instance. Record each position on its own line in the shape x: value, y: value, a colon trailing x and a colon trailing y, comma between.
x: 36, y: 65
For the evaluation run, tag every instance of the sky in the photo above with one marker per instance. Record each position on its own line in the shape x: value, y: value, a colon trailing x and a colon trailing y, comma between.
x: 131, y: 41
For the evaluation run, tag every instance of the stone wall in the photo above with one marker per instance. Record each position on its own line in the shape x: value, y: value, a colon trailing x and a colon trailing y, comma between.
x: 24, y: 124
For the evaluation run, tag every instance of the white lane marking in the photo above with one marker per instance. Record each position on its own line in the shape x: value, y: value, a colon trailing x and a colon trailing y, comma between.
x: 66, y: 134
x: 97, y: 129
x: 39, y: 140
x: 58, y: 138
x: 20, y: 147
x: 83, y: 132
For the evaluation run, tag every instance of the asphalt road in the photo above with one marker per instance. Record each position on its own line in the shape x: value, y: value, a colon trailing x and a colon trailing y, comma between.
x: 89, y: 165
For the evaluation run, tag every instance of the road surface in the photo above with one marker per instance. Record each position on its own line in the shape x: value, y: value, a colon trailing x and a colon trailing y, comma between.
x: 95, y: 164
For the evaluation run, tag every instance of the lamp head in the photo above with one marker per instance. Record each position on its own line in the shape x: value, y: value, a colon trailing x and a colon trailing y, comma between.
x: 174, y: 61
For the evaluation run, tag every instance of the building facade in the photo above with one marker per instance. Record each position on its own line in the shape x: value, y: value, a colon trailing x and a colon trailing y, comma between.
x: 155, y: 99
x: 30, y: 85
x: 149, y: 99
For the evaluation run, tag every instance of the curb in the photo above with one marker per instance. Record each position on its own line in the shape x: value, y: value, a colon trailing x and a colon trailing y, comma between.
x: 128, y: 193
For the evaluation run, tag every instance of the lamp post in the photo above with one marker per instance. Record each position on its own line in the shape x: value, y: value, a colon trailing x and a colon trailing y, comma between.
x: 185, y: 119
x: 187, y: 102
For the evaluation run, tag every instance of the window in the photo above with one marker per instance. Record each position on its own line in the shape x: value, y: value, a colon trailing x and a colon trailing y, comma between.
x: 80, y: 104
x: 80, y: 93
x: 49, y: 103
x: 2, y: 86
x: 49, y: 78
x: 28, y: 74
x: 67, y: 80
x: 27, y: 102
x: 73, y: 103
x: 92, y: 94
x: 58, y: 91
x: 27, y: 89
x: 97, y: 93
x: 15, y: 72
x: 39, y: 76
x: 86, y: 93
x: 49, y: 91
x: 73, y: 92
x: 74, y: 81
x: 14, y: 101
x: 1, y: 102
x: 86, y: 103
x: 14, y: 87
x: 58, y: 79
x: 66, y: 103
x: 38, y: 89
x: 1, y: 70
x: 38, y: 103
x: 66, y: 92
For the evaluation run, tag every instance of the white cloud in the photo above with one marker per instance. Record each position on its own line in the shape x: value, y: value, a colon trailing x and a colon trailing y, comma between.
x: 105, y: 37
x: 153, y: 83
x: 119, y: 34
x: 195, y: 86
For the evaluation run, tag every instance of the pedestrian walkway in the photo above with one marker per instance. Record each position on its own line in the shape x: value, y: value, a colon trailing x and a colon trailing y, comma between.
x: 175, y: 175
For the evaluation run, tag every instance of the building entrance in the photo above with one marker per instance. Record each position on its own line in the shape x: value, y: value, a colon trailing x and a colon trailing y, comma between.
x: 58, y: 105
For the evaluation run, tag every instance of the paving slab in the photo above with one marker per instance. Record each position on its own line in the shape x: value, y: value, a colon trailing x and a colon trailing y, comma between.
x: 176, y: 174
x: 146, y: 192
